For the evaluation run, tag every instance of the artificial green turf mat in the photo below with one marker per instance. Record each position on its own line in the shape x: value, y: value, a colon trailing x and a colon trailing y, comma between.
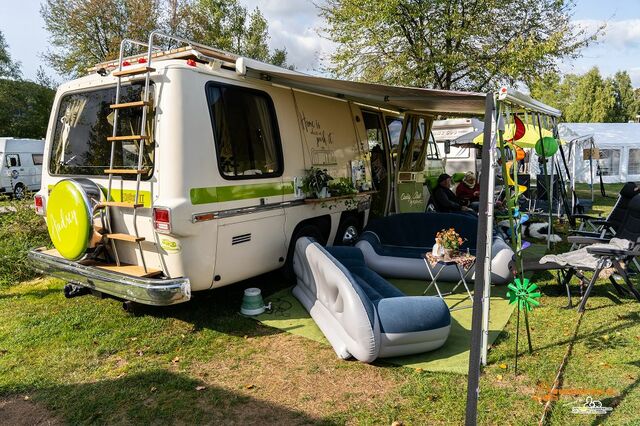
x: 289, y: 315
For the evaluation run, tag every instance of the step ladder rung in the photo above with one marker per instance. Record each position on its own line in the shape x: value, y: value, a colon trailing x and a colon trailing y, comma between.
x: 125, y: 237
x: 130, y: 104
x: 132, y: 71
x: 124, y: 171
x: 104, y: 204
x: 127, y: 138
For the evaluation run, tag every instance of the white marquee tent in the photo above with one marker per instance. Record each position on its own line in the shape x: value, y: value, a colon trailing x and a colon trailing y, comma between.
x: 618, y: 147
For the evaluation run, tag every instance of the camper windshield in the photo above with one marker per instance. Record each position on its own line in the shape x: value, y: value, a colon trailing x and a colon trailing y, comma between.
x: 83, y: 124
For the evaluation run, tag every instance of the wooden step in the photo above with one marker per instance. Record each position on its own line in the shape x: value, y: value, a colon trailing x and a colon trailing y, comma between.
x: 104, y: 204
x: 125, y: 237
x: 133, y: 270
x: 124, y: 171
x: 130, y: 105
x: 132, y: 71
x: 127, y: 138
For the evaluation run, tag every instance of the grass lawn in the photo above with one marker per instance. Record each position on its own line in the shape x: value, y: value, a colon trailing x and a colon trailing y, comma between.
x: 85, y: 360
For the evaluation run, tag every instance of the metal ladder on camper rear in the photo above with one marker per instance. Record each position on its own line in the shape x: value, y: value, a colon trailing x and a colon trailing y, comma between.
x: 141, y: 137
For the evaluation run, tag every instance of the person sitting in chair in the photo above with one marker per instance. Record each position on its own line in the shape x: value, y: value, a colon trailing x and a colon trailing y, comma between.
x: 468, y: 191
x: 444, y: 199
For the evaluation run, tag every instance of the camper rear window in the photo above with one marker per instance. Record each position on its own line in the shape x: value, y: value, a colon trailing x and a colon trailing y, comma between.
x: 245, y: 131
x: 83, y: 124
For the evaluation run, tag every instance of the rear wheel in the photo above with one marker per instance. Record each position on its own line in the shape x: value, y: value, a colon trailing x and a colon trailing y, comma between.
x: 307, y: 230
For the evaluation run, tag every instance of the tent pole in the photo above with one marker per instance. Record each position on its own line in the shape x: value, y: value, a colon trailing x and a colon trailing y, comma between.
x: 486, y: 295
x: 482, y: 266
x: 548, y: 184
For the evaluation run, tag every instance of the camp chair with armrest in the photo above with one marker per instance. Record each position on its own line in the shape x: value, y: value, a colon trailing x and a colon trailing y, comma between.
x: 592, y: 226
x: 607, y: 257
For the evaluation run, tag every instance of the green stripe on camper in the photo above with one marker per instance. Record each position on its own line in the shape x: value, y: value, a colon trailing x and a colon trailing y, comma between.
x: 219, y: 194
x: 125, y: 196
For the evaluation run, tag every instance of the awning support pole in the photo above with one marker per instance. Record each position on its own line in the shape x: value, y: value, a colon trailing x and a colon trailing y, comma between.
x: 484, y: 224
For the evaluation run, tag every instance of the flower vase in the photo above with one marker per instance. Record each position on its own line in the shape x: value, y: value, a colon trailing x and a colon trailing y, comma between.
x: 324, y: 192
x: 436, y: 251
x: 449, y: 254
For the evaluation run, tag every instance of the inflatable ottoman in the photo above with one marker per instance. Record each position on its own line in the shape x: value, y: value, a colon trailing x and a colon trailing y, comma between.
x: 360, y: 313
x: 394, y: 246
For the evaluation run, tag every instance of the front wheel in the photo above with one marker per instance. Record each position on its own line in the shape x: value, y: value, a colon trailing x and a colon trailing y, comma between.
x: 348, y: 232
x: 18, y: 191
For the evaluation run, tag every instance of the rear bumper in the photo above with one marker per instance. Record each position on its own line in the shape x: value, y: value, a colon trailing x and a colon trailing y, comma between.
x: 148, y: 291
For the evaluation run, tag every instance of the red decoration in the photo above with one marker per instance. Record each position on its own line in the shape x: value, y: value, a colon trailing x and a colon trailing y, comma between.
x: 191, y: 62
x: 520, y: 129
x: 126, y: 63
x: 142, y: 60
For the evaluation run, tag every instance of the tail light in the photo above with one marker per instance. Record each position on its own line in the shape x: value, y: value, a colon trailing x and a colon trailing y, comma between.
x: 39, y: 204
x: 162, y: 219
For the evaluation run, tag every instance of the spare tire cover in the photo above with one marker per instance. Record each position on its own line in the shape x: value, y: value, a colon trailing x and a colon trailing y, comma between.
x: 69, y: 216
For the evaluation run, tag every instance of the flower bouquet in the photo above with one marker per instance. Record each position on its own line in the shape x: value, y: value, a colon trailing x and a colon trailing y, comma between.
x: 450, y: 241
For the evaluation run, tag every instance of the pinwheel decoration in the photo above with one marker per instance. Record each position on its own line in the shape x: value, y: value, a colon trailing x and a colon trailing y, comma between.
x: 524, y: 293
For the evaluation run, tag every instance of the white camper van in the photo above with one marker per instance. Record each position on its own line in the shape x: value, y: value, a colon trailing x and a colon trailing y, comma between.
x: 182, y: 170
x: 454, y: 138
x: 20, y: 166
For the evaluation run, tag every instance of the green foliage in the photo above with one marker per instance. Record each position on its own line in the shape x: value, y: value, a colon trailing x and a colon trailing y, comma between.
x: 588, y: 98
x: 8, y: 68
x: 342, y: 186
x: 24, y: 108
x: 315, y: 180
x: 451, y: 44
x: 86, y: 32
x: 20, y: 231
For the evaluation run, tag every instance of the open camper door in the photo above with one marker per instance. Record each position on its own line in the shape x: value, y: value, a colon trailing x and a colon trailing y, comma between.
x: 410, y: 163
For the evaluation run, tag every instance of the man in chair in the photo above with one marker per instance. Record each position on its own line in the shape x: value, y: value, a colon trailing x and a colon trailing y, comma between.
x: 444, y: 199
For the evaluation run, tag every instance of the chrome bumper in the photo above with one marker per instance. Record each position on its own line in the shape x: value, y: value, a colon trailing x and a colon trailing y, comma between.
x: 148, y: 291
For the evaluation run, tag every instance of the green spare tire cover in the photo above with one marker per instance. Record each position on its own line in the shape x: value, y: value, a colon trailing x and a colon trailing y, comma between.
x: 69, y: 218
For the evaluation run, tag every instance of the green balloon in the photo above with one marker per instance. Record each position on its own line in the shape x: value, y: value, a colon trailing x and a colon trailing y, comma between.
x: 546, y: 146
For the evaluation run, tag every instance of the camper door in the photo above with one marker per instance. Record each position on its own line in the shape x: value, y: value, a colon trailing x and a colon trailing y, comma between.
x: 415, y: 143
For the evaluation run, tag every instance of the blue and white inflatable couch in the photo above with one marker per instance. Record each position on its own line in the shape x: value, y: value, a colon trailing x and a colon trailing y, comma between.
x: 394, y: 246
x: 360, y: 313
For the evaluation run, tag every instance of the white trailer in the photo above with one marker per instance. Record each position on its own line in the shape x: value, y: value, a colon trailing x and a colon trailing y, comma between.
x: 20, y: 166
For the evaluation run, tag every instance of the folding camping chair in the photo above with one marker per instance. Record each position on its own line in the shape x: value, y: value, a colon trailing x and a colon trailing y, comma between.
x: 606, y: 258
x: 591, y: 226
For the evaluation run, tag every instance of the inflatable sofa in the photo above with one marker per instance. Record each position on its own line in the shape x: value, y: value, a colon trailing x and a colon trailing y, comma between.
x: 394, y: 246
x: 360, y: 313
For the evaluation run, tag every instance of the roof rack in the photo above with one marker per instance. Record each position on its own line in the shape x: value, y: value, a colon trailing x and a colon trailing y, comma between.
x: 200, y: 53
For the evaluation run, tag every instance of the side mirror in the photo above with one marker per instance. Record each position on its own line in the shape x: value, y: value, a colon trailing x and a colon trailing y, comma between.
x: 13, y: 162
x: 447, y: 147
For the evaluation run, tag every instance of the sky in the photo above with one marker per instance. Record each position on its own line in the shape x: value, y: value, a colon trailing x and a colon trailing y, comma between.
x: 295, y: 25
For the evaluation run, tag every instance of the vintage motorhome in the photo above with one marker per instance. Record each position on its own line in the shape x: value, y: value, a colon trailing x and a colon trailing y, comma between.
x: 20, y: 166
x: 179, y: 171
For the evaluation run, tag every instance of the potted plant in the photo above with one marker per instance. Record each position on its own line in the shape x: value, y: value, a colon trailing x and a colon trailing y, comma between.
x: 316, y: 182
x: 450, y: 241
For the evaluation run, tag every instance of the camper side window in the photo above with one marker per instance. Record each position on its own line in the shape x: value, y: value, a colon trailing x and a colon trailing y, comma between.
x: 13, y: 161
x: 245, y: 132
x: 37, y: 159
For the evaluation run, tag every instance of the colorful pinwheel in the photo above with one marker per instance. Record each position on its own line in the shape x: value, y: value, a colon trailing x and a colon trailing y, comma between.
x: 523, y: 292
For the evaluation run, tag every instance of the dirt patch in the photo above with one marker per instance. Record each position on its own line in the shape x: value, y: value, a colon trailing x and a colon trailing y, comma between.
x: 297, y: 374
x: 19, y: 411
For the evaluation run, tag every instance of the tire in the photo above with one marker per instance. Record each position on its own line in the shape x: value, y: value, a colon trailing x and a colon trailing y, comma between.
x: 348, y: 232
x: 307, y: 230
x: 19, y: 191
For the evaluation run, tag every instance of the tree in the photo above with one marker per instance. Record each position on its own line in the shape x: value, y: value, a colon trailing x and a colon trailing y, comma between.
x: 451, y: 44
x: 624, y: 98
x: 24, y: 108
x: 86, y: 32
x: 8, y: 68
